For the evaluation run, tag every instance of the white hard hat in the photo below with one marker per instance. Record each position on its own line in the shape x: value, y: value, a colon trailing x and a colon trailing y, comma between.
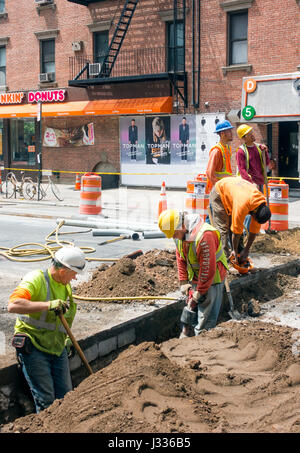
x: 71, y: 257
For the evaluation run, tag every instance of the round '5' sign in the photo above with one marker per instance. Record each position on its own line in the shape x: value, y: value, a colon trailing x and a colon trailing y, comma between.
x: 248, y: 112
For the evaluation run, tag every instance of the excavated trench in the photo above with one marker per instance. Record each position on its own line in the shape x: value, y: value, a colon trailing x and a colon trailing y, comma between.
x: 239, y: 377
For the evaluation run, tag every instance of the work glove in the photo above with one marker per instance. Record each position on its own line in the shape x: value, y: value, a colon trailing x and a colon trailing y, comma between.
x: 69, y: 347
x: 184, y: 289
x: 58, y: 306
x: 196, y: 299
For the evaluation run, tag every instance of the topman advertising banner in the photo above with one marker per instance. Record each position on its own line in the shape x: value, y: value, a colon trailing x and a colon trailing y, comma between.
x: 170, y: 148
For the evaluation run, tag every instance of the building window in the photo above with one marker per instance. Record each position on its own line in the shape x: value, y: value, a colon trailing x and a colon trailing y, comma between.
x: 238, y: 37
x: 2, y: 66
x: 48, y: 56
x: 100, y: 45
x: 2, y: 6
x: 175, y: 46
x: 22, y: 136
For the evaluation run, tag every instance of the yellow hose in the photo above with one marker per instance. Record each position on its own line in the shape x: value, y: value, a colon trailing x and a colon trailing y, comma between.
x: 18, y: 252
x: 124, y: 298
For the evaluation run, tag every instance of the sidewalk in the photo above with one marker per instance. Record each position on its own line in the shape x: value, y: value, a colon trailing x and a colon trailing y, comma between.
x: 124, y: 204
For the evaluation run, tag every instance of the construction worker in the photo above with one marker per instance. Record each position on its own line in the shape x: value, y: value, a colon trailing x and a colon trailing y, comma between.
x: 250, y: 158
x: 40, y: 339
x: 232, y: 199
x: 202, y: 268
x: 219, y: 162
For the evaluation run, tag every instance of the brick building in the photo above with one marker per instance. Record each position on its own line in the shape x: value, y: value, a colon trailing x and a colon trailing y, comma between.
x: 98, y: 65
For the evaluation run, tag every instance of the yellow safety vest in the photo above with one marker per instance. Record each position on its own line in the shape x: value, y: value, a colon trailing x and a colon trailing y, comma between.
x: 245, y: 149
x: 192, y: 261
x: 45, y: 329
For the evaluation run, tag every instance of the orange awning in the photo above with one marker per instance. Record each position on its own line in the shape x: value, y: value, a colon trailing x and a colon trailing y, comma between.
x: 84, y: 108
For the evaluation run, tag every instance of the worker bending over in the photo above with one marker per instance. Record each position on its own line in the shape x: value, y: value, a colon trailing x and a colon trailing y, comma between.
x: 202, y: 268
x: 40, y: 338
x: 232, y: 199
x: 219, y: 162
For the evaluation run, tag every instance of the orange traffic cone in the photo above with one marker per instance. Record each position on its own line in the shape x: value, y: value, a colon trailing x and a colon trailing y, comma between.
x: 77, y: 182
x: 162, y: 205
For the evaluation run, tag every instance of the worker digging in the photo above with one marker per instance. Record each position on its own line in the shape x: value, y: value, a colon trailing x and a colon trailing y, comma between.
x: 201, y: 266
x: 40, y: 336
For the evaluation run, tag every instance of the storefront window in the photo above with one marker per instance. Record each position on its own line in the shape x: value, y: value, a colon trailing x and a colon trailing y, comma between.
x: 22, y: 140
x: 1, y: 141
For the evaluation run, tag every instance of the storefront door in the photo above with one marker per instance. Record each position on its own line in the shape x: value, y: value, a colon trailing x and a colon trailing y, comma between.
x: 289, y: 162
x: 19, y: 147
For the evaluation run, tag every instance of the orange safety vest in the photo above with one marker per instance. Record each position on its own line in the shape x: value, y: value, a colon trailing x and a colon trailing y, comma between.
x: 226, y: 169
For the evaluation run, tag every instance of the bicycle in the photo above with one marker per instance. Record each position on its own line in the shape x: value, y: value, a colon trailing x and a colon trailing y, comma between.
x: 43, y: 190
x: 12, y: 186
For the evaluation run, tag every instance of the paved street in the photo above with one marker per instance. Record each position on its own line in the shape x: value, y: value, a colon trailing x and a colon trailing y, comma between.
x: 131, y: 205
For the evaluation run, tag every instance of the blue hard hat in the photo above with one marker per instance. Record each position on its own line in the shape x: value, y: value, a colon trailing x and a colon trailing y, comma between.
x: 223, y: 126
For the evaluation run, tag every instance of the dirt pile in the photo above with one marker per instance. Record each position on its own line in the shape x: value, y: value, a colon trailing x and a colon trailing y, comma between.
x: 155, y: 272
x: 238, y: 377
x: 281, y: 242
x: 150, y: 274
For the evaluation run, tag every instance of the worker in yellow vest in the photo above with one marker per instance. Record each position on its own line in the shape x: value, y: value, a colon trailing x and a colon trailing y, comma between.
x: 202, y: 268
x: 219, y: 162
x: 40, y: 339
x: 250, y: 157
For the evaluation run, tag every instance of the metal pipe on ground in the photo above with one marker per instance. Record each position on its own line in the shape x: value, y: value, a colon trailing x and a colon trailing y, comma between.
x: 129, y: 234
x: 153, y: 234
x: 107, y: 224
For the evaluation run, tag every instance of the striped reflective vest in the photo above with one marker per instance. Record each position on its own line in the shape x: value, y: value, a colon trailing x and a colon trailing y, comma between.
x: 44, y: 328
x: 191, y: 259
x: 246, y: 152
x: 226, y: 168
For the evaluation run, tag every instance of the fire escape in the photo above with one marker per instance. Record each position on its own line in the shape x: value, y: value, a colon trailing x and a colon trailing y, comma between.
x: 148, y: 64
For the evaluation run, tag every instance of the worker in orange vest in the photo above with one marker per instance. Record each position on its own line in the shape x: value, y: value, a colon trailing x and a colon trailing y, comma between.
x: 219, y: 162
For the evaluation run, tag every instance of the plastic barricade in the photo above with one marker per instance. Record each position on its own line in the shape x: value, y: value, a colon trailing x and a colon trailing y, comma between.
x: 90, y: 194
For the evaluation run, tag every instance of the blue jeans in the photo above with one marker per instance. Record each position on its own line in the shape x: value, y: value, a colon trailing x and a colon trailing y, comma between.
x: 208, y: 310
x: 48, y: 376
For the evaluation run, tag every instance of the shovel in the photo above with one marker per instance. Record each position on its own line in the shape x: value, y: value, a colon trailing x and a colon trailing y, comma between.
x: 268, y: 231
x: 76, y: 345
x: 234, y: 314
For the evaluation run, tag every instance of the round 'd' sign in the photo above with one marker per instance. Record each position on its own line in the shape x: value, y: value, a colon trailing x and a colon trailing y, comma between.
x: 248, y: 112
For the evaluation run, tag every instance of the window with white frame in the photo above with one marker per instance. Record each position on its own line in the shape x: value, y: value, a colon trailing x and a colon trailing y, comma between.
x: 238, y: 37
x: 2, y: 66
x: 48, y: 55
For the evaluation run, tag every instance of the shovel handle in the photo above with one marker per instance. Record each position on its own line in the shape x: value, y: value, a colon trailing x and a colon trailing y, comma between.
x: 75, y: 343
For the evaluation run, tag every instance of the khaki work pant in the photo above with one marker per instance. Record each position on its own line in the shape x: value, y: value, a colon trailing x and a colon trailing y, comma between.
x: 221, y: 220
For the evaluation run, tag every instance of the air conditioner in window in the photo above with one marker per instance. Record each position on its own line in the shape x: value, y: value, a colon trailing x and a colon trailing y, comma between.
x: 47, y: 77
x: 43, y: 2
x: 94, y: 69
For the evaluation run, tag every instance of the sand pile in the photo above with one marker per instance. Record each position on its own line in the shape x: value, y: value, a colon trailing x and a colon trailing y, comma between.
x: 238, y: 377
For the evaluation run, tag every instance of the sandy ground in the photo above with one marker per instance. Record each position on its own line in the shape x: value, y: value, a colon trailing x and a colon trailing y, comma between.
x: 239, y: 377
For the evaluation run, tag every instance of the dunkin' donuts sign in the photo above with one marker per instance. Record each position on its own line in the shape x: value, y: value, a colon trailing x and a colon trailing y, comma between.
x: 33, y: 96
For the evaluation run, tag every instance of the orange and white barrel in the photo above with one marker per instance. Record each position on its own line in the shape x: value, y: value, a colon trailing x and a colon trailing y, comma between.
x: 196, y: 199
x: 90, y: 194
x: 279, y: 205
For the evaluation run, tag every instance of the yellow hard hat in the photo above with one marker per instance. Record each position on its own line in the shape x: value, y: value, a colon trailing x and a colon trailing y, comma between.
x: 168, y: 221
x: 243, y: 129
